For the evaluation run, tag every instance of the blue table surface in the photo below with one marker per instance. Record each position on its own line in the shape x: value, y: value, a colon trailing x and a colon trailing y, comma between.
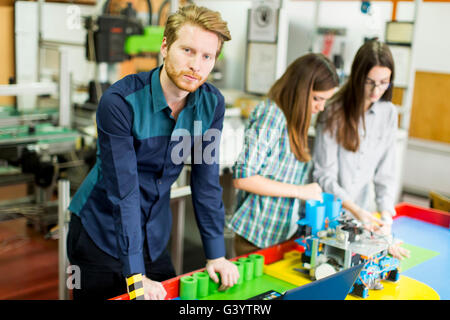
x: 434, y: 272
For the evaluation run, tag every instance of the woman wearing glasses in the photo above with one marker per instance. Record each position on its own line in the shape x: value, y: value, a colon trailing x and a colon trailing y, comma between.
x: 355, y: 140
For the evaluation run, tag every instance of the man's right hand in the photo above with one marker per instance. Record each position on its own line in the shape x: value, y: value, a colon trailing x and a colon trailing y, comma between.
x: 153, y: 290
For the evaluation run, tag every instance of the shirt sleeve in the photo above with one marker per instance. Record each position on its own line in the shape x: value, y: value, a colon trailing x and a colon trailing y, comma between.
x: 258, y: 138
x: 326, y: 165
x: 385, y: 181
x: 119, y: 170
x: 206, y: 189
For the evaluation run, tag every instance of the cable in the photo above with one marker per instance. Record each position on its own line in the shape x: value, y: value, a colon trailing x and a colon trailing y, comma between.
x: 150, y: 12
x: 106, y: 8
x: 161, y: 7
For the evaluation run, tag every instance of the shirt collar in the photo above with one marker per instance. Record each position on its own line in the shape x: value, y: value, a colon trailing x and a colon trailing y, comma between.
x: 158, y: 99
x: 373, y: 109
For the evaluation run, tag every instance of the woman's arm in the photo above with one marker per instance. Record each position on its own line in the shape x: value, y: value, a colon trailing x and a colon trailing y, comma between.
x: 369, y: 219
x: 326, y: 170
x: 268, y: 187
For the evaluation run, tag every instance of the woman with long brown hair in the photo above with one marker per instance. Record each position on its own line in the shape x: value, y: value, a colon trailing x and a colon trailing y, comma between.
x: 355, y: 139
x: 272, y: 169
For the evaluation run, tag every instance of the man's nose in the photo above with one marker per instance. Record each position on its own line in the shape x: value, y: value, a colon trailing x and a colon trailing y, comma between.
x: 194, y: 63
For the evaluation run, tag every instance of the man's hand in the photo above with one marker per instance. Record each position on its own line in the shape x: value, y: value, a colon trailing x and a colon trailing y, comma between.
x: 228, y: 272
x: 153, y: 290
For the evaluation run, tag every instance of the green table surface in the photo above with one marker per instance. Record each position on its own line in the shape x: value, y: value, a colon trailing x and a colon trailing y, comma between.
x: 417, y: 256
x: 251, y: 288
x: 44, y: 133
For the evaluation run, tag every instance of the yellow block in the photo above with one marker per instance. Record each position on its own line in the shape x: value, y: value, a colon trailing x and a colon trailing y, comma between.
x: 136, y: 293
x: 404, y: 289
x: 439, y: 201
x: 133, y: 279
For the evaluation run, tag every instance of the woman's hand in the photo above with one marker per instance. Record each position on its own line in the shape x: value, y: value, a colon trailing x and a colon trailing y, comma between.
x: 398, y: 252
x: 386, y: 228
x: 310, y: 191
x: 369, y: 220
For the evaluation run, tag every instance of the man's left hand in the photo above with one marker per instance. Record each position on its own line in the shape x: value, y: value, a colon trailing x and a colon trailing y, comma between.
x: 228, y: 271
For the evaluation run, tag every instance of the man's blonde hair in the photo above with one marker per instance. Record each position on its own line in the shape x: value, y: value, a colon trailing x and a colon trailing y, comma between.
x: 199, y: 16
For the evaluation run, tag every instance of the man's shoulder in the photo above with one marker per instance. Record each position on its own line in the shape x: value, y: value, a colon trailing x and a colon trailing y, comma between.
x: 129, y: 84
x: 210, y: 97
x: 207, y: 89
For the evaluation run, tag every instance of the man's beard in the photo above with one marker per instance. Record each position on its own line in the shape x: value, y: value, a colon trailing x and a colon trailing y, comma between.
x: 177, y: 78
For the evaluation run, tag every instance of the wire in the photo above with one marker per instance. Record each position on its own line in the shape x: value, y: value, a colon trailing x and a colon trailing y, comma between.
x: 150, y: 12
x: 106, y: 8
x: 161, y: 7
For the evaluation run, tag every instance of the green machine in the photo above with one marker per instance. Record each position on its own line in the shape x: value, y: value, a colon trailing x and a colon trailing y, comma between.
x: 150, y: 41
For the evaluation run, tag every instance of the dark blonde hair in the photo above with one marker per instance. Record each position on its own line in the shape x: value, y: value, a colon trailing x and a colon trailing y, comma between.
x: 199, y: 16
x: 292, y: 94
x: 347, y: 105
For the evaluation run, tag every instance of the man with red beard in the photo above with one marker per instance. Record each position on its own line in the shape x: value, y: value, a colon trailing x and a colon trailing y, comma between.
x: 121, y: 219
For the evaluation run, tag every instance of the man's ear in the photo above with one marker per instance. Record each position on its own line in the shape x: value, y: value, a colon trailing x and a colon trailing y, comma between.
x: 164, y: 48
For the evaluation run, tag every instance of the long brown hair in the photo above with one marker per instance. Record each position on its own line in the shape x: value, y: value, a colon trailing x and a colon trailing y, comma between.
x: 292, y: 94
x: 347, y: 105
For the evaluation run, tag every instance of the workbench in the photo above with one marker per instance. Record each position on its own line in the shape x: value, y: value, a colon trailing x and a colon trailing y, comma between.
x: 425, y: 276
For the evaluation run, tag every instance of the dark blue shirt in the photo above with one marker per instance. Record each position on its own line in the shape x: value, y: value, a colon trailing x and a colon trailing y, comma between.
x: 141, y: 151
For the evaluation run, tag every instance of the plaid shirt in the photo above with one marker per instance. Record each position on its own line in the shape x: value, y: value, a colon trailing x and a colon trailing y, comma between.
x: 265, y: 220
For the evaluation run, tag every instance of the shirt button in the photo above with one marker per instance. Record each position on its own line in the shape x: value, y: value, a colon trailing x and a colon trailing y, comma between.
x: 159, y: 182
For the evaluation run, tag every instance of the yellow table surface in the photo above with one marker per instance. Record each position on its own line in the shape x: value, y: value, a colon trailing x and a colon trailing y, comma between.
x: 404, y: 289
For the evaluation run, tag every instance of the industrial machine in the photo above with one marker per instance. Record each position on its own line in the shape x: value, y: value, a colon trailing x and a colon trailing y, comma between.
x: 333, y: 242
x: 112, y: 38
x: 37, y: 140
x: 35, y: 147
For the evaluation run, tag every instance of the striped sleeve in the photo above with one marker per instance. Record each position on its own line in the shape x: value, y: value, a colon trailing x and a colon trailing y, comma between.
x: 260, y: 136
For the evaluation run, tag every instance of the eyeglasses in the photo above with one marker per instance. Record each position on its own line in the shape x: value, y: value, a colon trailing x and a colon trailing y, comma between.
x: 382, y: 86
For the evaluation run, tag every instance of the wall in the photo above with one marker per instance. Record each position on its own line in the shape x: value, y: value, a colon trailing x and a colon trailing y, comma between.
x: 235, y: 13
x: 430, y: 114
x: 426, y: 167
x: 343, y: 14
x: 428, y: 151
x: 432, y: 38
x: 7, y: 41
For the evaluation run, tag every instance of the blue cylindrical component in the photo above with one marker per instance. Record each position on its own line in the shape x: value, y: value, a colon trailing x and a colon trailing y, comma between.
x: 333, y: 207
